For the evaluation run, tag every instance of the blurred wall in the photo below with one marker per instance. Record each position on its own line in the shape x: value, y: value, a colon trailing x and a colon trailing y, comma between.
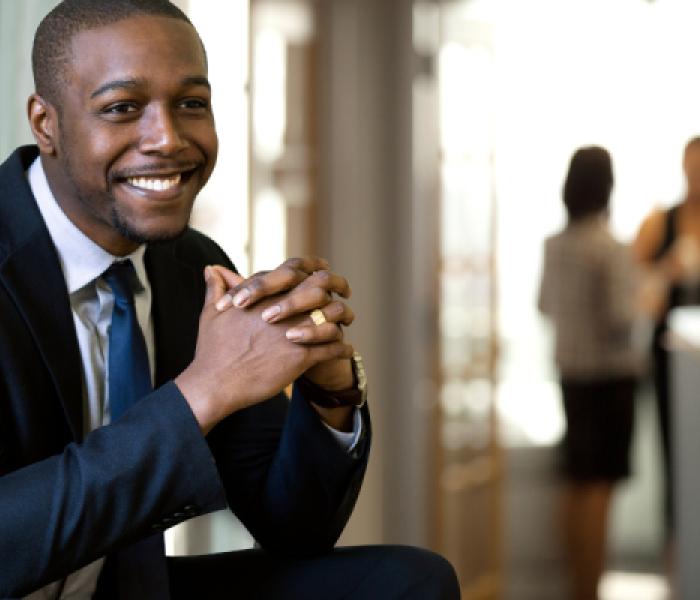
x: 377, y: 229
x: 18, y: 21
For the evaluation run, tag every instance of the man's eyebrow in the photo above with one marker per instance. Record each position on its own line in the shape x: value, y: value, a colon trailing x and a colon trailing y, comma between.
x: 121, y: 84
x: 117, y: 84
x: 195, y: 80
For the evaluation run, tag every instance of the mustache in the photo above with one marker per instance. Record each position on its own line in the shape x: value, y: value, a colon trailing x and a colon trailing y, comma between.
x: 154, y: 168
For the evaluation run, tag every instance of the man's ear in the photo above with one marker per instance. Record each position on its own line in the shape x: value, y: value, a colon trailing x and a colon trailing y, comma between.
x: 43, y: 121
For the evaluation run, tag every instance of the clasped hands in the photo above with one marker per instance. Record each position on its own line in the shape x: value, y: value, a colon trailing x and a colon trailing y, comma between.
x: 256, y: 337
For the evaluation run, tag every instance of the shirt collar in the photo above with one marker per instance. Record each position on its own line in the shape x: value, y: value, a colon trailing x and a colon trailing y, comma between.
x: 82, y: 260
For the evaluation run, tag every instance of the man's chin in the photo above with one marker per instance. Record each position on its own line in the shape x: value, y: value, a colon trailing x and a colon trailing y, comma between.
x: 148, y: 236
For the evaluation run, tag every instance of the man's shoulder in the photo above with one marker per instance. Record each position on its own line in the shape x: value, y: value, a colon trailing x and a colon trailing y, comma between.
x: 19, y: 215
x: 20, y: 158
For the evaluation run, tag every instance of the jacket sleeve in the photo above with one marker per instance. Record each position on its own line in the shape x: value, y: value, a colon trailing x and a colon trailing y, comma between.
x: 142, y: 474
x: 286, y: 478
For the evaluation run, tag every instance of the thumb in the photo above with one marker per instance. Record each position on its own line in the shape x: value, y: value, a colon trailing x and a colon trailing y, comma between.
x: 220, y: 281
x: 216, y: 286
x: 231, y: 278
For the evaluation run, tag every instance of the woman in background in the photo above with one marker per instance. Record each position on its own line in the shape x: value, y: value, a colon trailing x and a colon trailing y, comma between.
x: 588, y: 291
x: 668, y: 249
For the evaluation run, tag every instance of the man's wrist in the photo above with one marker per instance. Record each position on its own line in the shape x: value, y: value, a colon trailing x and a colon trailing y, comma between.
x: 334, y: 376
x: 329, y: 399
x: 354, y: 396
x: 339, y: 418
x: 203, y: 408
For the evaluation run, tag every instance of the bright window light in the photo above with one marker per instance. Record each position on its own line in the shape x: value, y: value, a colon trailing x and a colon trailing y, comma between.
x: 269, y: 98
x: 633, y: 586
x: 221, y: 210
x: 554, y: 76
x: 270, y: 231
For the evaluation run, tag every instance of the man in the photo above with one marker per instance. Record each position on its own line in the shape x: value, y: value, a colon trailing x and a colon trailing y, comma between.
x: 133, y: 393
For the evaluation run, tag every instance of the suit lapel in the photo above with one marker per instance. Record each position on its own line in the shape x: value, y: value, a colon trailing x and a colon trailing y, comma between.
x: 31, y: 273
x: 178, y: 295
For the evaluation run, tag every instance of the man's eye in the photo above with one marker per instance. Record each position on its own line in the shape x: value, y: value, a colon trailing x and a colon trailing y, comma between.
x: 121, y: 108
x: 194, y: 103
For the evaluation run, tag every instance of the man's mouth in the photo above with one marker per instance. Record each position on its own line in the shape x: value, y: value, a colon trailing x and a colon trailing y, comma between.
x: 155, y: 184
x: 159, y: 183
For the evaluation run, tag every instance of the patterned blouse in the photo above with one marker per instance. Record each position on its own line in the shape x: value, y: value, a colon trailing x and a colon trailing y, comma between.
x: 588, y: 290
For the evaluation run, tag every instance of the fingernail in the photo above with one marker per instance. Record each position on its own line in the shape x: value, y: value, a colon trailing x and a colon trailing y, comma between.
x: 295, y: 335
x: 270, y: 313
x: 224, y: 303
x: 207, y: 273
x: 241, y: 298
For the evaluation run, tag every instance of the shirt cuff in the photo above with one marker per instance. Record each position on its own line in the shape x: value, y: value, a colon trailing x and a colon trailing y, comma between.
x: 348, y: 440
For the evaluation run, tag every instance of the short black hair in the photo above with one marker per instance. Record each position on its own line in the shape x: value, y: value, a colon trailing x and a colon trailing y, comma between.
x: 51, y: 52
x: 588, y: 183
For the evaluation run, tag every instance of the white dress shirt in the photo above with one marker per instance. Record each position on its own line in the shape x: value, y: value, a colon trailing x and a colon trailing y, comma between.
x: 91, y: 300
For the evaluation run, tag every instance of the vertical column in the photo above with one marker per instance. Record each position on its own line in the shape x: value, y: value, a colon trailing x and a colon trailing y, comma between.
x: 376, y: 230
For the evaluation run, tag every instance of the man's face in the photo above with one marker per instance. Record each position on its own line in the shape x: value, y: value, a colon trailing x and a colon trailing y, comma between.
x: 136, y: 138
x: 691, y: 166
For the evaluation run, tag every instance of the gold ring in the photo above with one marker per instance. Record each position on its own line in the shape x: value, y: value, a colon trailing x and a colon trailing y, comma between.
x: 318, y: 317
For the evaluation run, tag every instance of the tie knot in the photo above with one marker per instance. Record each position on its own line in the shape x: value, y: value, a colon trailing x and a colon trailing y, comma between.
x: 122, y: 278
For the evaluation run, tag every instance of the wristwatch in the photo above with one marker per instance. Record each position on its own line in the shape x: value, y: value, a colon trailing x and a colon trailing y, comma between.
x: 355, y: 396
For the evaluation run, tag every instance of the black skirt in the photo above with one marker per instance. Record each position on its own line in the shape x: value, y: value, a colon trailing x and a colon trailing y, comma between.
x: 599, y: 423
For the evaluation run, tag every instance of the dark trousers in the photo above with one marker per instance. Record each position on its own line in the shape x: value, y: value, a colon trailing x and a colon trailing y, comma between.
x: 662, y: 387
x: 363, y: 573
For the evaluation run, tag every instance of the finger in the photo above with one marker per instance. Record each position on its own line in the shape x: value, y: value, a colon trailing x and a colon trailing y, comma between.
x: 299, y: 301
x: 306, y: 301
x: 308, y: 264
x: 270, y: 283
x: 215, y: 285
x: 334, y: 350
x: 329, y: 281
x: 307, y: 297
x: 338, y: 312
x: 315, y: 334
x: 230, y: 280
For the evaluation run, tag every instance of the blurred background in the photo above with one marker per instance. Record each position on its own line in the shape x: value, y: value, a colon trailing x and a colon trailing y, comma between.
x: 421, y: 146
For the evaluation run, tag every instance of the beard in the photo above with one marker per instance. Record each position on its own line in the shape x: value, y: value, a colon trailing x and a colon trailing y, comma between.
x: 117, y: 220
x: 131, y: 233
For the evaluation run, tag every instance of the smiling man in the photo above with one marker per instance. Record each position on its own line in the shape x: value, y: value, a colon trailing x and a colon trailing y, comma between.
x: 140, y: 385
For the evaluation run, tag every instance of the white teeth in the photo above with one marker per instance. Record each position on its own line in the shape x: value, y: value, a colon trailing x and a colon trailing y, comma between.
x: 156, y: 184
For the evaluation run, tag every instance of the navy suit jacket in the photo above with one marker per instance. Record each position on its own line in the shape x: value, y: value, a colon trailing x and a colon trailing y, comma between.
x: 68, y: 499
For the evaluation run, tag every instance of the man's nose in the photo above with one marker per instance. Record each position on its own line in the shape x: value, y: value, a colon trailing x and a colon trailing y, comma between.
x: 161, y: 133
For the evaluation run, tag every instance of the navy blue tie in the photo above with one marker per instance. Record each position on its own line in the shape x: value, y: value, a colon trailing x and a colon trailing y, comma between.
x: 128, y: 370
x: 139, y: 570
